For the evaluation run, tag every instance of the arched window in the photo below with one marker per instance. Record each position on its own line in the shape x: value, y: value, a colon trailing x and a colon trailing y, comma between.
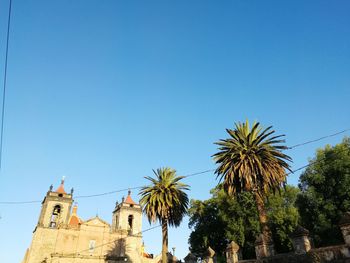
x: 55, y: 216
x: 92, y: 245
x: 130, y: 223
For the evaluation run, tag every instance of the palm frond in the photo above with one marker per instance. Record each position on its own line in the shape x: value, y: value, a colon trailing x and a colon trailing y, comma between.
x: 165, y: 198
x: 251, y: 159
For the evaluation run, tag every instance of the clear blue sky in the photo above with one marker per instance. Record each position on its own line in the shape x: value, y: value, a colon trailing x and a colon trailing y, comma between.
x: 103, y: 92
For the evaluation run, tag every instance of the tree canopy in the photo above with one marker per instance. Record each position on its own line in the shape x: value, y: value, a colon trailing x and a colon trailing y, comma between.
x: 251, y: 159
x: 220, y: 219
x: 325, y: 193
x: 166, y: 201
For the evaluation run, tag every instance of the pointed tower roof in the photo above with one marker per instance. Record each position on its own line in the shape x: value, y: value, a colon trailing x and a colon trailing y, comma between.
x: 60, y: 189
x: 129, y: 200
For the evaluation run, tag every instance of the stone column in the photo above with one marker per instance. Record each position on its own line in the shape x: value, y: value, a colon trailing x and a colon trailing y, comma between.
x: 209, y: 255
x: 344, y: 225
x: 263, y: 247
x: 232, y: 253
x: 190, y: 258
x: 300, y: 240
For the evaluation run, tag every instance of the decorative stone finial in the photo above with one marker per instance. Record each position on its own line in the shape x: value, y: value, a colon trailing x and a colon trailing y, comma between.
x: 345, y: 220
x: 233, y: 245
x: 190, y: 258
x: 209, y: 255
x: 72, y: 191
x: 264, y: 247
x: 210, y: 252
x: 299, y: 231
x: 51, y: 187
x: 300, y: 240
x: 344, y: 224
x: 129, y: 192
x: 231, y: 252
x: 123, y: 199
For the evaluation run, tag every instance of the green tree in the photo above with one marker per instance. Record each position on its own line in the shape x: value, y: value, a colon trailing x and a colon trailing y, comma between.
x: 325, y: 193
x: 251, y: 159
x: 217, y: 221
x: 220, y: 219
x: 283, y: 216
x: 208, y: 228
x: 166, y: 201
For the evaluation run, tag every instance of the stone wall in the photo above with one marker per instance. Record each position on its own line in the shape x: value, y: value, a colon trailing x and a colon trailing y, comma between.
x: 302, y: 249
x: 339, y: 254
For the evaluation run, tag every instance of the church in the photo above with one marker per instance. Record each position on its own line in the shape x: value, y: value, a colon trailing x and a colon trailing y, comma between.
x: 61, y: 236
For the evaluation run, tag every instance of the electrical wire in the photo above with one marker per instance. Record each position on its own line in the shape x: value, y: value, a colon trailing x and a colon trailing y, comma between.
x: 108, y: 193
x: 318, y: 139
x: 106, y: 243
x: 185, y: 176
x: 5, y: 81
x: 96, y: 195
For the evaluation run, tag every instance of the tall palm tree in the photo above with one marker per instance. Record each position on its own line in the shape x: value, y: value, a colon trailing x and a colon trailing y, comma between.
x: 164, y: 200
x: 252, y: 160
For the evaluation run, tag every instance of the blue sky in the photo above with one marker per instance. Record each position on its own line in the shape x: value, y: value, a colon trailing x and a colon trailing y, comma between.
x: 102, y: 92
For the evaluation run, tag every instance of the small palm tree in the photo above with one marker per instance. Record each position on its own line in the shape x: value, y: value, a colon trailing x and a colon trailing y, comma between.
x: 165, y: 201
x: 252, y: 160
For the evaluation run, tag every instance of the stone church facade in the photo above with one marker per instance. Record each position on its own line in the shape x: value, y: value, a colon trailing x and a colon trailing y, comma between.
x: 61, y: 236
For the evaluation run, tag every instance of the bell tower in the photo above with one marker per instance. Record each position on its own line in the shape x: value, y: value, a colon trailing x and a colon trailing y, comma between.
x: 127, y: 216
x: 56, y: 207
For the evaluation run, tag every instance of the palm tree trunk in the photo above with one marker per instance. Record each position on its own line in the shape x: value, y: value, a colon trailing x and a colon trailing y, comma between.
x: 165, y: 240
x: 263, y: 217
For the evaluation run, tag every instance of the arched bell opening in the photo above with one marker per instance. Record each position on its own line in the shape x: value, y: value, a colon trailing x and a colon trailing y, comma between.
x: 55, y: 216
x: 130, y: 224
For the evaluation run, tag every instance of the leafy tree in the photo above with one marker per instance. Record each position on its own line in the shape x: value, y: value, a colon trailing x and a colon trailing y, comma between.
x: 325, y: 193
x: 166, y: 201
x: 217, y: 221
x: 251, y: 159
x: 208, y: 228
x: 283, y: 217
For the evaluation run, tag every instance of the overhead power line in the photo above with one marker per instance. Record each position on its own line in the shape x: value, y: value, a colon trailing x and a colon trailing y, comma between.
x: 185, y: 176
x: 107, y: 243
x: 5, y: 81
x: 318, y: 139
x: 108, y: 193
x: 96, y: 195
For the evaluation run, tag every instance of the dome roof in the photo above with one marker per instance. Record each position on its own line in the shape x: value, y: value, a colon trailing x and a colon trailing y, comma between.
x: 74, y: 219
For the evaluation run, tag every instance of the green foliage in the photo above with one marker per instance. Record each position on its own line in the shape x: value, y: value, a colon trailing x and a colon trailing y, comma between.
x: 217, y: 221
x: 325, y: 196
x: 165, y: 197
x: 208, y: 227
x: 166, y: 201
x: 251, y: 159
x: 283, y: 217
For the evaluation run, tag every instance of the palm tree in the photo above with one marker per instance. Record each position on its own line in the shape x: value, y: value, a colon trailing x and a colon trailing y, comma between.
x: 164, y: 200
x: 252, y: 160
